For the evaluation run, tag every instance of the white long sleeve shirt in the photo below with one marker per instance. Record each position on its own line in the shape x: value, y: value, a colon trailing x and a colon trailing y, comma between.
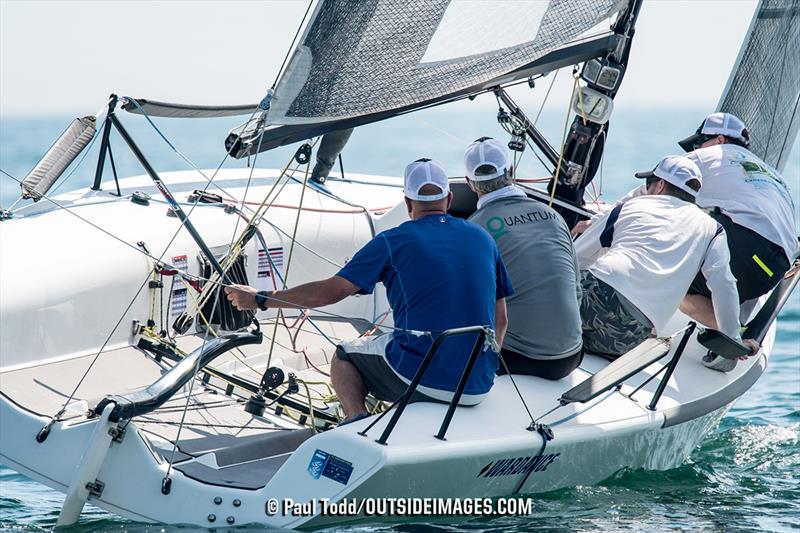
x: 650, y: 248
x: 749, y: 191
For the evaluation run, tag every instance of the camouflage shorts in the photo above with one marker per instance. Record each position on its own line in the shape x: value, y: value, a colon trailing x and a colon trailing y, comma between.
x: 609, y: 327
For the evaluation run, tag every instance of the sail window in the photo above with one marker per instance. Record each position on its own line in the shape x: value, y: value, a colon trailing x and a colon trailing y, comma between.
x: 473, y: 27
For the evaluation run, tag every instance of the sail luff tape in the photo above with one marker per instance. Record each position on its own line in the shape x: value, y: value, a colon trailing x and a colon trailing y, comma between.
x: 63, y: 152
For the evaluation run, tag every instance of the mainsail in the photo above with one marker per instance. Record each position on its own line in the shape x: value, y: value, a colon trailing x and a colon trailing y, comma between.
x: 764, y: 88
x: 374, y: 58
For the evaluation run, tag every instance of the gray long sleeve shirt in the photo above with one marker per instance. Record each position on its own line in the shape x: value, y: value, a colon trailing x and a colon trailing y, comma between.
x: 544, y: 313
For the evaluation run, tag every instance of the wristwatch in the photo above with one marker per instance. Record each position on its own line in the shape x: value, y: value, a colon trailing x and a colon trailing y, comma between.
x: 262, y: 298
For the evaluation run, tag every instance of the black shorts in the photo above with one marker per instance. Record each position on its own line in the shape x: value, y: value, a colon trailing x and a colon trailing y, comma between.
x: 757, y: 263
x: 548, y: 369
x: 379, y: 378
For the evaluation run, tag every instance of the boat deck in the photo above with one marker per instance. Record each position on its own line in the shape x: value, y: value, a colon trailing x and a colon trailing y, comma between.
x: 219, y: 443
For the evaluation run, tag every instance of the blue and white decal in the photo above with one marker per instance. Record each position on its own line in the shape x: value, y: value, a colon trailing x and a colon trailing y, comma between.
x: 324, y: 464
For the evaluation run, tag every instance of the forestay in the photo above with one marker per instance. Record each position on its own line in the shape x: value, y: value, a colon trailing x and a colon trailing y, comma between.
x: 764, y: 88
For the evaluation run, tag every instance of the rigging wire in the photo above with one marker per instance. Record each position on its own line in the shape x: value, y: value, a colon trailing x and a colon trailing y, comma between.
x: 76, y: 166
x: 232, y: 256
x: 192, y: 165
x: 291, y: 46
x: 786, y: 136
x: 557, y: 175
x: 194, y: 277
x: 86, y: 151
x: 780, y: 83
x: 546, y: 97
x: 166, y: 479
x: 289, y: 259
x: 130, y: 305
x: 520, y: 124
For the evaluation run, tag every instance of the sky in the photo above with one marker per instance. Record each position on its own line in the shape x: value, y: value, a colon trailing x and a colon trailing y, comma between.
x: 66, y: 57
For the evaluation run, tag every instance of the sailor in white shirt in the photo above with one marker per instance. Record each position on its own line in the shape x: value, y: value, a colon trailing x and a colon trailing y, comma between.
x: 639, y: 259
x: 751, y: 201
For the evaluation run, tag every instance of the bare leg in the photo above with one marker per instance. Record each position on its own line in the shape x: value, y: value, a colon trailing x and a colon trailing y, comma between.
x: 349, y: 386
x: 699, y: 308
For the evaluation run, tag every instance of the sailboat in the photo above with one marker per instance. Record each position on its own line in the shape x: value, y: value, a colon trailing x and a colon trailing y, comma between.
x: 128, y: 380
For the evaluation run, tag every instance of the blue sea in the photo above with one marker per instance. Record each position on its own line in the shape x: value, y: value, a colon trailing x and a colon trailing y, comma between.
x: 743, y: 477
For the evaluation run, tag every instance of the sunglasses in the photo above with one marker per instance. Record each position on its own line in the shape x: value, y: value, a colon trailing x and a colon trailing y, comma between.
x: 699, y: 141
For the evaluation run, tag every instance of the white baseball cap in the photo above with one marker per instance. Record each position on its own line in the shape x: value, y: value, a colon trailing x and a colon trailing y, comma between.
x: 425, y: 172
x: 717, y: 124
x: 677, y: 170
x: 486, y: 151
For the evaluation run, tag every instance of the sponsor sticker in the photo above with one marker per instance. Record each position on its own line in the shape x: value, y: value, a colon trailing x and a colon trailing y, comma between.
x: 324, y: 464
x: 273, y: 256
x: 180, y: 297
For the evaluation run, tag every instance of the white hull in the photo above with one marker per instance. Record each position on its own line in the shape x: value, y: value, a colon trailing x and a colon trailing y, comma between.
x: 49, y: 338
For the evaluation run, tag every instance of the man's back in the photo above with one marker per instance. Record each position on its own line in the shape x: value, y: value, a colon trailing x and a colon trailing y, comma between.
x: 747, y: 190
x: 440, y: 272
x: 649, y: 249
x: 536, y: 247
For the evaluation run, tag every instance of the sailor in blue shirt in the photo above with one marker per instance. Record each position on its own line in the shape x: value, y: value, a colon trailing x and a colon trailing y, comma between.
x: 440, y: 272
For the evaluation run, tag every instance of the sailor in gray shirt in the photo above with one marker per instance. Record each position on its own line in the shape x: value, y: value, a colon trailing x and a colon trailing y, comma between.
x: 544, y: 321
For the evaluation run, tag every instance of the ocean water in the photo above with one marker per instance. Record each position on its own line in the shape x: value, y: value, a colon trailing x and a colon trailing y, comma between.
x: 743, y: 476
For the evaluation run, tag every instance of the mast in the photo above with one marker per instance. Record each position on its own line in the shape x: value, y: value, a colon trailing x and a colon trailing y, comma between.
x: 583, y: 149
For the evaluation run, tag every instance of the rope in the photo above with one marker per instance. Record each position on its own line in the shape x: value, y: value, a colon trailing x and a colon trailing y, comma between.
x: 203, y: 425
x: 130, y: 304
x: 563, y: 143
x: 229, y: 260
x: 234, y: 250
x: 64, y: 180
x: 289, y: 258
x: 201, y: 278
x: 215, y: 334
x: 514, y: 383
x: 518, y: 123
x: 180, y: 154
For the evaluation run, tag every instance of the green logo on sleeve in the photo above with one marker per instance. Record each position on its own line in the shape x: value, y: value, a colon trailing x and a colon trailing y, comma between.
x: 496, y: 227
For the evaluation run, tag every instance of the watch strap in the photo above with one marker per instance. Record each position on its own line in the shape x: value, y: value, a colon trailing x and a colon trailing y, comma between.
x: 262, y: 298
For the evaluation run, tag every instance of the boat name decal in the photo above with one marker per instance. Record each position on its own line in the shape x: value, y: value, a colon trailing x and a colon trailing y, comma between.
x: 324, y: 464
x: 518, y: 465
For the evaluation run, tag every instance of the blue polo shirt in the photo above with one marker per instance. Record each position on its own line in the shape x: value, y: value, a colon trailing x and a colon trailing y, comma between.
x: 440, y: 272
